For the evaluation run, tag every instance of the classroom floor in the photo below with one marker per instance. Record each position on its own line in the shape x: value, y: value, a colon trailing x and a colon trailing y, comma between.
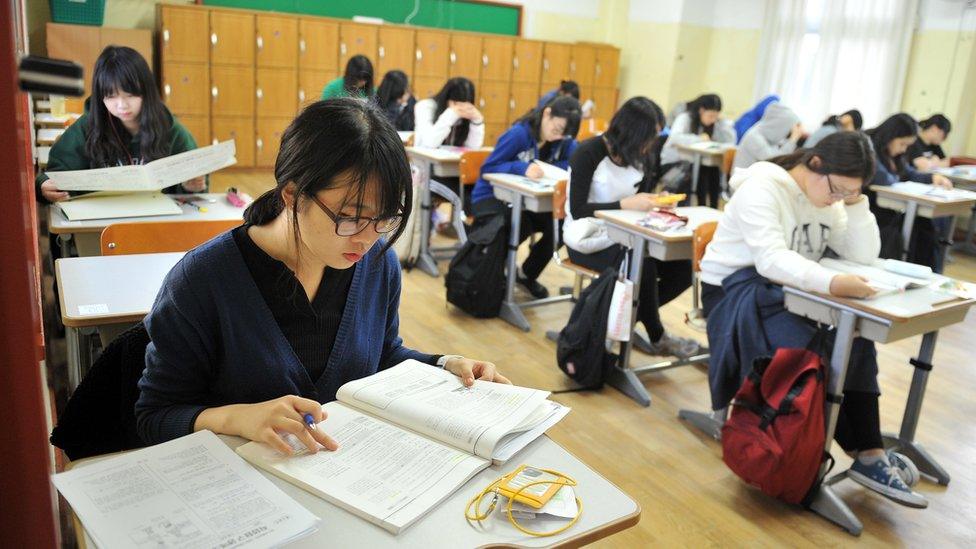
x: 688, y: 496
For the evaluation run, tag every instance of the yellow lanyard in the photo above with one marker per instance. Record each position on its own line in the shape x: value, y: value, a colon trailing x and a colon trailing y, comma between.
x: 478, y: 516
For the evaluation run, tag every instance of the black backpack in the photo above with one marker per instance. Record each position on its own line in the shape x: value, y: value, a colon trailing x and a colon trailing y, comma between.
x: 475, y: 280
x: 581, y: 350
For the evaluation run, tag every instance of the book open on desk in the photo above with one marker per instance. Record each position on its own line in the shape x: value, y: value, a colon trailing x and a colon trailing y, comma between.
x: 932, y: 191
x: 409, y: 437
x: 883, y: 281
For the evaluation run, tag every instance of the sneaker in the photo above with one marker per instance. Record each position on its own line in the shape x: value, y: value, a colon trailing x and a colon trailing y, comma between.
x: 885, y: 479
x: 906, y: 468
x: 537, y: 290
x: 671, y: 345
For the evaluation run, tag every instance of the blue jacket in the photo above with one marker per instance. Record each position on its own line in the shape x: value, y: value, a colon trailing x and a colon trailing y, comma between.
x: 515, y: 150
x: 215, y: 342
x: 750, y: 117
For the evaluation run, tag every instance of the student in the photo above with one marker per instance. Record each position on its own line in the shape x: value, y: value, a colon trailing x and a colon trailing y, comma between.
x: 450, y: 117
x: 779, y: 224
x: 848, y: 122
x: 751, y: 116
x: 357, y: 81
x: 777, y: 132
x: 700, y: 122
x: 549, y: 135
x: 125, y: 122
x: 394, y: 97
x: 891, y: 140
x: 566, y: 87
x: 610, y: 172
x: 265, y: 322
x: 926, y: 152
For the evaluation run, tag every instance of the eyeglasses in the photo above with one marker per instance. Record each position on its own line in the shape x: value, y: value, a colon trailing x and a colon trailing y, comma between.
x: 840, y: 194
x: 351, y: 226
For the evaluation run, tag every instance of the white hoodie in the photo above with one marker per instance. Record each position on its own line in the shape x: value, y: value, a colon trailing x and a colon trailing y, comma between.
x: 770, y: 223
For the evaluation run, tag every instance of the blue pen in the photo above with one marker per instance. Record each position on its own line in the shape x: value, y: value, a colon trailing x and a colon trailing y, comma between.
x: 310, y: 421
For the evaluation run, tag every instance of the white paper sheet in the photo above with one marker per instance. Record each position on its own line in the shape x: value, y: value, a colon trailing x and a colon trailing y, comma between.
x: 144, y: 204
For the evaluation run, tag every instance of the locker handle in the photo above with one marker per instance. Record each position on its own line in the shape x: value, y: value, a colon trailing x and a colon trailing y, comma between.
x: 167, y: 90
x: 420, y: 55
x: 545, y: 65
x: 598, y: 69
x: 260, y: 143
x: 301, y: 95
x: 260, y: 42
x: 515, y: 62
x: 215, y: 141
x: 213, y: 39
x: 165, y: 35
x: 572, y: 66
x: 484, y: 59
x: 260, y: 93
x: 453, y: 57
x: 301, y: 46
x: 481, y: 102
x: 511, y: 104
x: 342, y: 48
x: 214, y: 92
x: 382, y: 52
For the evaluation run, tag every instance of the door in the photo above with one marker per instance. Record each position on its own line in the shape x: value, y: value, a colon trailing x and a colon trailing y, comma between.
x: 241, y: 130
x: 231, y: 38
x: 318, y: 45
x: 496, y: 59
x: 276, y: 93
x: 523, y: 98
x: 311, y: 83
x: 183, y: 35
x: 493, y: 102
x: 465, y: 56
x: 198, y: 126
x: 607, y: 67
x: 232, y: 91
x: 581, y: 67
x: 395, y: 52
x: 276, y: 41
x: 186, y: 88
x: 432, y: 54
x: 555, y: 64
x: 356, y: 40
x: 268, y: 140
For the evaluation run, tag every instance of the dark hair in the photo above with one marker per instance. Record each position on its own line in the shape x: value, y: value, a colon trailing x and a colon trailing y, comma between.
x: 894, y: 127
x: 334, y: 142
x: 569, y: 87
x: 939, y: 121
x: 834, y: 119
x: 455, y: 89
x: 635, y: 125
x: 709, y: 102
x: 393, y: 86
x: 562, y: 106
x: 843, y: 153
x: 358, y: 68
x: 119, y: 69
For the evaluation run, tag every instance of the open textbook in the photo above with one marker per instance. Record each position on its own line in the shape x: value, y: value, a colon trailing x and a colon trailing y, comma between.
x: 154, y: 176
x: 924, y: 189
x: 879, y: 278
x: 190, y: 492
x: 409, y: 437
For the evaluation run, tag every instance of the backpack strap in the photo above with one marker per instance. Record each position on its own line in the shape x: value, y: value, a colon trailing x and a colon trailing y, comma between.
x: 786, y: 406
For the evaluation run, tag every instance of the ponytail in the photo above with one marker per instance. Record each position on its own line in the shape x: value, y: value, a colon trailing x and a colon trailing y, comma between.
x: 265, y: 209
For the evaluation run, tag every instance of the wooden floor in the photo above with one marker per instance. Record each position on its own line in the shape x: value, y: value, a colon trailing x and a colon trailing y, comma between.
x: 688, y: 496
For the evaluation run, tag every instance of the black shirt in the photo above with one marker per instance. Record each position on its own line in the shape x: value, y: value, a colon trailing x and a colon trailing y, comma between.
x: 309, y: 327
x: 583, y: 164
x: 919, y: 148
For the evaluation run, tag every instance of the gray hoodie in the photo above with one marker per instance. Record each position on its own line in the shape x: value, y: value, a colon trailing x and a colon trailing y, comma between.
x: 769, y: 137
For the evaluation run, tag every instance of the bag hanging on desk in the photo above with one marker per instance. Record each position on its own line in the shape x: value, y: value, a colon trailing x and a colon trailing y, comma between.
x: 581, y: 349
x: 475, y: 280
x: 619, y: 319
x: 407, y: 247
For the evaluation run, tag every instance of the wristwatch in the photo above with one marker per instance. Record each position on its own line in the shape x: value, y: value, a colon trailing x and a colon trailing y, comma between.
x: 442, y: 361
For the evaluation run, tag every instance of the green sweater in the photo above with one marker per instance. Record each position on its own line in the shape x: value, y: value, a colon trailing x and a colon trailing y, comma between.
x: 69, y: 152
x: 337, y: 88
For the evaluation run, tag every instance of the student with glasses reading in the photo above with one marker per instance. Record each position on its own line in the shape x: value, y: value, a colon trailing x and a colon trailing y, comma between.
x: 259, y: 326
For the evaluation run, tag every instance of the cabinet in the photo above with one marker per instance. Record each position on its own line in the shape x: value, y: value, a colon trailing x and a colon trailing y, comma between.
x: 231, y: 38
x: 198, y: 126
x: 318, y: 45
x: 311, y: 83
x: 496, y: 60
x: 241, y: 130
x: 267, y: 140
x: 276, y: 93
x: 555, y: 64
x: 527, y: 61
x: 276, y: 41
x: 607, y: 67
x: 395, y: 52
x: 426, y: 86
x: 183, y: 35
x: 186, y: 88
x: 465, y: 57
x: 605, y: 102
x: 492, y: 132
x: 232, y: 91
x: 581, y: 66
x: 356, y: 40
x: 523, y: 97
x: 432, y: 54
x: 493, y: 102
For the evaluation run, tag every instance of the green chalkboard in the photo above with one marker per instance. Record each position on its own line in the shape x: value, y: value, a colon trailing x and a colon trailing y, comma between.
x: 444, y: 14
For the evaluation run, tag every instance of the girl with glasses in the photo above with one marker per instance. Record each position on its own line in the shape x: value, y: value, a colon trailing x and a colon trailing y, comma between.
x: 262, y: 324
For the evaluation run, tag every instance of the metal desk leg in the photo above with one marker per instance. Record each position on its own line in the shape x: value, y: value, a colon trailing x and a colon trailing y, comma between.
x: 695, y: 170
x: 911, y: 209
x: 511, y: 312
x: 904, y: 442
x: 723, y: 181
x: 709, y: 423
x: 947, y: 238
x: 425, y: 261
x: 64, y: 241
x: 620, y: 376
x: 826, y: 503
x: 968, y: 245
x: 72, y: 339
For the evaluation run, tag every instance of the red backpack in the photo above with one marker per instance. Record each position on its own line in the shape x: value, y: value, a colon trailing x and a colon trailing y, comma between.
x: 774, y: 437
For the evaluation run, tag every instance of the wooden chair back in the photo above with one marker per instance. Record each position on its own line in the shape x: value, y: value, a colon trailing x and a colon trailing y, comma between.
x: 727, y: 160
x: 700, y: 238
x: 470, y: 166
x: 559, y: 200
x: 161, y: 236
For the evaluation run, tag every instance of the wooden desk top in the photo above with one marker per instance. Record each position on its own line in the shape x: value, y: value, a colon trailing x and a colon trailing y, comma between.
x: 964, y: 174
x: 627, y: 219
x: 110, y: 289
x: 450, y: 155
x: 711, y: 148
x: 218, y: 209
x: 519, y: 184
x: 917, y: 304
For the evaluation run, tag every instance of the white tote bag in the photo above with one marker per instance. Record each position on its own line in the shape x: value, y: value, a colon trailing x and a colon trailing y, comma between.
x: 621, y: 309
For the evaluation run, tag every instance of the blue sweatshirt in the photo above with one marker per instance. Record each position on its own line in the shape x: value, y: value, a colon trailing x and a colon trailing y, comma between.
x: 215, y: 342
x: 514, y: 151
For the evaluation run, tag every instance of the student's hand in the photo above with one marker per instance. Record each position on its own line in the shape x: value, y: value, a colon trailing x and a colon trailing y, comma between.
x: 534, y: 172
x: 195, y: 185
x: 797, y: 132
x: 641, y: 201
x: 850, y: 285
x: 472, y: 113
x: 942, y: 181
x: 469, y: 370
x: 268, y: 421
x: 705, y: 137
x: 50, y: 192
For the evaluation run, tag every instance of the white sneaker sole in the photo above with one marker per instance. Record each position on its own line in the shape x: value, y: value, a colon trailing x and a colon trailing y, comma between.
x: 911, y: 499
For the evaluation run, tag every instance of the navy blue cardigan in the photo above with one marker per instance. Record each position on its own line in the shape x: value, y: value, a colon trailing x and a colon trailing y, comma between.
x: 215, y: 342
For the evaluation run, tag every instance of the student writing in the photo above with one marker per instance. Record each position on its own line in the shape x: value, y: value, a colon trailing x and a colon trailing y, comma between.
x: 926, y: 152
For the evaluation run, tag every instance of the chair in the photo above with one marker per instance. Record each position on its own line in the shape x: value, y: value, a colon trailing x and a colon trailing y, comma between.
x: 728, y: 160
x: 470, y: 169
x: 700, y: 238
x: 161, y: 236
x: 558, y: 214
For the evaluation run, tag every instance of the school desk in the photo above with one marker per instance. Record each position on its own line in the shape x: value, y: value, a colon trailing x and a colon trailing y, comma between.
x: 42, y: 155
x: 964, y: 177
x: 47, y: 136
x: 48, y: 120
x: 705, y: 153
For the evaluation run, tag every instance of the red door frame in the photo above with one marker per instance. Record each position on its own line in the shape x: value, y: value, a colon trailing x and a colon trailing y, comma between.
x: 28, y: 516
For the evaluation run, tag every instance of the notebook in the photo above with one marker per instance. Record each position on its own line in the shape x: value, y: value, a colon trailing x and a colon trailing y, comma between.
x: 117, y: 206
x: 410, y: 436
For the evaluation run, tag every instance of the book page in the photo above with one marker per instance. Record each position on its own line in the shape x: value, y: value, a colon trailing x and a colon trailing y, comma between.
x: 924, y: 189
x: 119, y: 178
x: 885, y: 282
x: 435, y: 403
x: 182, y: 167
x: 382, y: 473
x: 119, y: 206
x: 189, y: 492
x: 554, y: 173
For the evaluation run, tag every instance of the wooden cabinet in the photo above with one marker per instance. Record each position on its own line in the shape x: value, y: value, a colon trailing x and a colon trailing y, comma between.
x: 241, y: 130
x: 607, y: 67
x: 527, y: 61
x: 581, y: 66
x: 496, y: 59
x: 523, y: 97
x: 555, y: 64
x: 426, y: 86
x: 355, y: 39
x: 183, y: 35
x: 232, y: 91
x: 276, y: 93
x: 267, y: 140
x: 311, y: 83
x: 318, y: 45
x: 186, y: 88
x: 198, y: 126
x: 493, y: 102
x: 604, y: 102
x: 276, y: 41
x: 432, y: 54
x: 84, y: 43
x: 465, y: 57
x: 231, y: 38
x: 395, y: 52
x: 492, y: 132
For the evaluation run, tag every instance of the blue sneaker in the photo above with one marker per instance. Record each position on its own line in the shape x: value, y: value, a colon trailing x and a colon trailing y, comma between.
x: 885, y: 479
x: 906, y: 468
